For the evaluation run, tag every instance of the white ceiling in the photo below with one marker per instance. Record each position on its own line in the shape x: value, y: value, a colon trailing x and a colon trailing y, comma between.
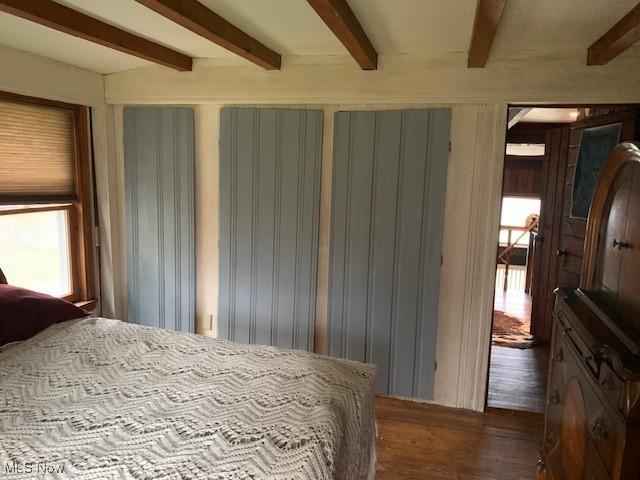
x: 291, y: 27
x: 550, y: 115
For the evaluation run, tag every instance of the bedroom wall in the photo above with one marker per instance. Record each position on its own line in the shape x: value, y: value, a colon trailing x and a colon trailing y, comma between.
x: 40, y: 77
x: 473, y: 182
x: 479, y: 98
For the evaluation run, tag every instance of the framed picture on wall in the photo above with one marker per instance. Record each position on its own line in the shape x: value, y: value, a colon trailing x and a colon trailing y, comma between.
x: 595, y: 146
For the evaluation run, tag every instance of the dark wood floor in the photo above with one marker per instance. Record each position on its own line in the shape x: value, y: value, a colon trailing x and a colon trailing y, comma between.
x: 420, y: 441
x: 518, y: 378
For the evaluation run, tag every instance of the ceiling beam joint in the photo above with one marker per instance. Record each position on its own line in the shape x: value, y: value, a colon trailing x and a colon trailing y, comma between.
x: 194, y: 16
x: 341, y: 20
x: 621, y: 36
x: 64, y: 19
x: 485, y: 26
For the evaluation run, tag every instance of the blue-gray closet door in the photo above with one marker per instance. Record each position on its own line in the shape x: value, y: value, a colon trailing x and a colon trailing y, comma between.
x: 159, y: 204
x: 269, y: 202
x: 389, y: 177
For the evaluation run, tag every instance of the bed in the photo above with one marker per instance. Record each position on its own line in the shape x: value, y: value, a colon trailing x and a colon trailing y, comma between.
x: 97, y: 398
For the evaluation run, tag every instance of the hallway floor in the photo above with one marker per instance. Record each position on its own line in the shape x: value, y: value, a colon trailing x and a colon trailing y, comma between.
x: 518, y: 378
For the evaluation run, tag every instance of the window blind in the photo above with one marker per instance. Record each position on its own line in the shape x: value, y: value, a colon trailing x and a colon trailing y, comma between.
x: 36, y: 153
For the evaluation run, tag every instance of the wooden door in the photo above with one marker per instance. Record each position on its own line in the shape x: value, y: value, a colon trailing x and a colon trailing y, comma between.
x: 612, y: 234
x: 629, y: 283
x: 389, y: 178
x: 553, y: 174
x: 269, y: 208
x: 159, y: 165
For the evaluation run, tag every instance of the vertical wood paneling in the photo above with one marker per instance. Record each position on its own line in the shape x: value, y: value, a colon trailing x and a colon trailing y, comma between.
x: 159, y: 204
x: 386, y: 235
x: 269, y: 205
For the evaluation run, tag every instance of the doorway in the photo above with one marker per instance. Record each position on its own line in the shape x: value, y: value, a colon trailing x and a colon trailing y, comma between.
x: 519, y: 352
x: 545, y: 201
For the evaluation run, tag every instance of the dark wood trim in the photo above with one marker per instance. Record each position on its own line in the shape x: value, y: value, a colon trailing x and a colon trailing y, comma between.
x: 523, y: 161
x: 194, y: 16
x: 33, y: 209
x: 88, y: 305
x: 86, y: 282
x: 9, y: 199
x: 341, y: 20
x: 621, y: 36
x: 82, y: 245
x: 18, y: 98
x: 530, y: 132
x: 64, y: 19
x: 485, y: 26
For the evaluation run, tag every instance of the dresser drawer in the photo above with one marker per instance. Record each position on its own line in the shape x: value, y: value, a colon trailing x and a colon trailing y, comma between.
x: 603, y: 428
x: 611, y: 385
x: 574, y: 406
x: 580, y: 346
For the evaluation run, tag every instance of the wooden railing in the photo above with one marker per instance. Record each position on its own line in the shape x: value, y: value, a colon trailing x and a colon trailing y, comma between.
x: 504, y: 256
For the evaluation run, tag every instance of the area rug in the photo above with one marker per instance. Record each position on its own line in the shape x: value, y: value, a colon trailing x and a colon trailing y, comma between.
x: 509, y: 331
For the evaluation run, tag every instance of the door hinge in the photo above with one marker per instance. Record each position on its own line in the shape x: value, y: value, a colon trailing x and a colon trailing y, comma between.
x: 449, y: 146
x: 96, y: 236
x: 435, y: 365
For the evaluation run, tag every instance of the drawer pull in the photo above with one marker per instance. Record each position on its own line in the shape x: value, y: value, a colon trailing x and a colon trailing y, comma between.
x: 549, y: 441
x: 555, y: 398
x: 560, y: 355
x: 608, y: 383
x: 599, y: 430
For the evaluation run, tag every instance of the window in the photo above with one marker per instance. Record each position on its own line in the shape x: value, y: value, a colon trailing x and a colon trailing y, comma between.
x: 516, y: 213
x: 45, y: 214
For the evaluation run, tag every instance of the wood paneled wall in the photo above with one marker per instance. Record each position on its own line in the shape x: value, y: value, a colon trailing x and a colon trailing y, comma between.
x: 159, y: 204
x: 389, y: 178
x: 573, y: 229
x: 522, y: 176
x: 269, y: 206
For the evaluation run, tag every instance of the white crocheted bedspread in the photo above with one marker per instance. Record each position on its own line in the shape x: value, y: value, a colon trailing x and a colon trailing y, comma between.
x: 103, y: 399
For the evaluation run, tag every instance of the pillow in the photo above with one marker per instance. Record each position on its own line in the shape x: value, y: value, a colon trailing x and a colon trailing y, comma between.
x: 23, y: 313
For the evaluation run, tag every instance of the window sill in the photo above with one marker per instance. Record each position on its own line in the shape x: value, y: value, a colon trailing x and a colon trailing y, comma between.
x: 87, y: 304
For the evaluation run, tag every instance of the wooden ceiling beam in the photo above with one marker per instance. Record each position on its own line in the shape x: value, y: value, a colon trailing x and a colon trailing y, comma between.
x: 620, y: 37
x: 343, y: 23
x: 516, y: 114
x: 194, y: 16
x: 69, y: 21
x: 485, y: 26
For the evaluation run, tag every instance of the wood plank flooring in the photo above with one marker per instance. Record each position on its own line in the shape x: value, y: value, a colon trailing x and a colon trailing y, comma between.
x: 515, y: 303
x: 518, y: 378
x: 421, y: 441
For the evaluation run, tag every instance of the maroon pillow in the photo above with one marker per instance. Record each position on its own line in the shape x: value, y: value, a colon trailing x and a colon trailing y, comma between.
x: 23, y: 313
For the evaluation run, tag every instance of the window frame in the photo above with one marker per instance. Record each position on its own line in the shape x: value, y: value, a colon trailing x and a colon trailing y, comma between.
x: 82, y: 248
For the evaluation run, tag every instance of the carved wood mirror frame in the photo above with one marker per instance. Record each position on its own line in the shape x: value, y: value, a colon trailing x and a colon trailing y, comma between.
x: 621, y: 155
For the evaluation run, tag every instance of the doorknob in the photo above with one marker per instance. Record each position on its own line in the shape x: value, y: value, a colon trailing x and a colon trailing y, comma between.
x: 562, y: 252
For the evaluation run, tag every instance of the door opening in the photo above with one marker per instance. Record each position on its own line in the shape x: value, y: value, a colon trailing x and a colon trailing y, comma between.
x: 540, y: 242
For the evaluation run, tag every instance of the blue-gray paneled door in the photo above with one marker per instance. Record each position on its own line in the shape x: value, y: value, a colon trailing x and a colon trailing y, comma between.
x: 269, y: 204
x: 159, y: 204
x: 389, y: 178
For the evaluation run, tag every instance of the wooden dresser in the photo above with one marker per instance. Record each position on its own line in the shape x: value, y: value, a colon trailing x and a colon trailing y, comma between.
x: 592, y: 418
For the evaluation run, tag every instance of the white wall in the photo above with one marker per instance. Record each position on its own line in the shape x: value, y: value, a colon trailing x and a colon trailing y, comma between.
x: 399, y: 79
x: 479, y: 98
x: 471, y: 223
